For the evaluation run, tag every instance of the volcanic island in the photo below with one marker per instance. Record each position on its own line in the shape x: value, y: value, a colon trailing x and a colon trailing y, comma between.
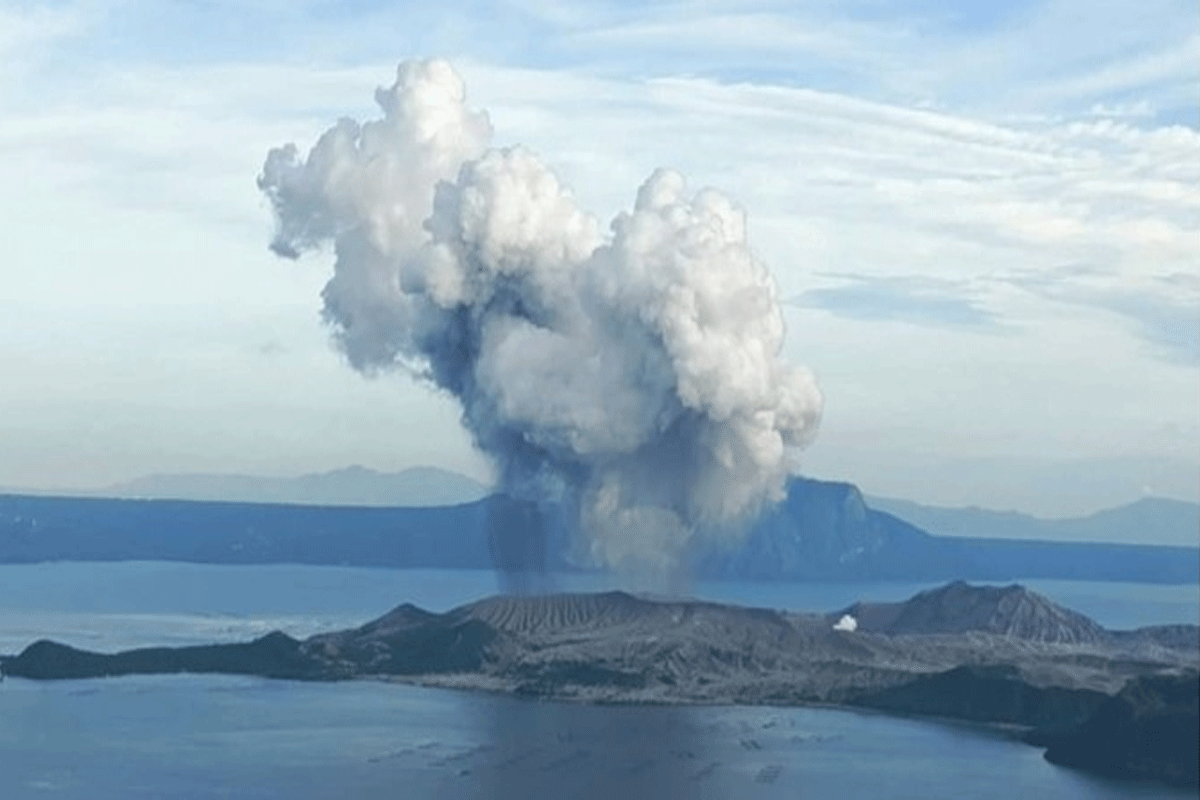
x: 1119, y: 703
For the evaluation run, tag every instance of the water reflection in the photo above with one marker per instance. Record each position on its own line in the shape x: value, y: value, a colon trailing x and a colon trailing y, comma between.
x: 538, y: 749
x: 541, y: 749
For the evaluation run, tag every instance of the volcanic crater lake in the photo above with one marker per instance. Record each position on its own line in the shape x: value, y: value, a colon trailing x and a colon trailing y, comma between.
x: 192, y: 736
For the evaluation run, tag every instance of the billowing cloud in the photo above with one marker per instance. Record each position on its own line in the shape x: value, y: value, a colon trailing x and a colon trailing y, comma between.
x: 634, y: 376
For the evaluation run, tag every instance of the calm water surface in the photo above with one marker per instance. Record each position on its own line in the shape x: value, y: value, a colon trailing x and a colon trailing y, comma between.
x: 209, y: 736
x: 204, y: 736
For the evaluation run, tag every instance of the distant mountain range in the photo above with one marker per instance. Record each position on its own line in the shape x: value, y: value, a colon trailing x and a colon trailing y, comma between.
x: 828, y: 531
x: 1152, y: 520
x: 822, y: 531
x: 350, y: 486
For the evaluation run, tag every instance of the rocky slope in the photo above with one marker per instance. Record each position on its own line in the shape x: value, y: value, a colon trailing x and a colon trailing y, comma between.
x: 986, y: 654
x: 958, y: 608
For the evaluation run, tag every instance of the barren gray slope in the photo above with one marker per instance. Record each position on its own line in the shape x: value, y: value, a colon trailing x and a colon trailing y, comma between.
x: 619, y: 647
x: 958, y: 608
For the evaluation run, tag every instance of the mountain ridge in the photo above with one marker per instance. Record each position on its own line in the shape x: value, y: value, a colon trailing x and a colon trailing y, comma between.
x: 354, y: 485
x: 1150, y: 520
x: 958, y: 607
x: 823, y: 531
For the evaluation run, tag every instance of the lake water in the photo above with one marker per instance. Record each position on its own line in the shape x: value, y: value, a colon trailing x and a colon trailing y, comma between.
x: 211, y: 736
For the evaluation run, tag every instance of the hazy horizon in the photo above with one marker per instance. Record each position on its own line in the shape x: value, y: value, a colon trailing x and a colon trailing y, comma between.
x: 430, y: 485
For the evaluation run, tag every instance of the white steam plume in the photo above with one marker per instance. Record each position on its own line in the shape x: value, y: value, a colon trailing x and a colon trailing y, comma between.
x: 634, y: 375
x: 846, y: 623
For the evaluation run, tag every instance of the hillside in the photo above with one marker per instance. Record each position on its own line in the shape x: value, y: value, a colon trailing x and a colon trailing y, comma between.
x: 827, y: 531
x: 959, y: 608
x: 1148, y: 730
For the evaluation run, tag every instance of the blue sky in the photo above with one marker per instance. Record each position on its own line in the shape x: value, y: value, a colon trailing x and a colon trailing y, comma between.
x: 983, y: 216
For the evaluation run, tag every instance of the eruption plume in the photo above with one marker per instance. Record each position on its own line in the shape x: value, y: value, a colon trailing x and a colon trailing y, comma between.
x: 632, y: 377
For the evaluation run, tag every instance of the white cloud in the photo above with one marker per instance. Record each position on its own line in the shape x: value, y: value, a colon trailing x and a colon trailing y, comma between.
x: 134, y: 234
